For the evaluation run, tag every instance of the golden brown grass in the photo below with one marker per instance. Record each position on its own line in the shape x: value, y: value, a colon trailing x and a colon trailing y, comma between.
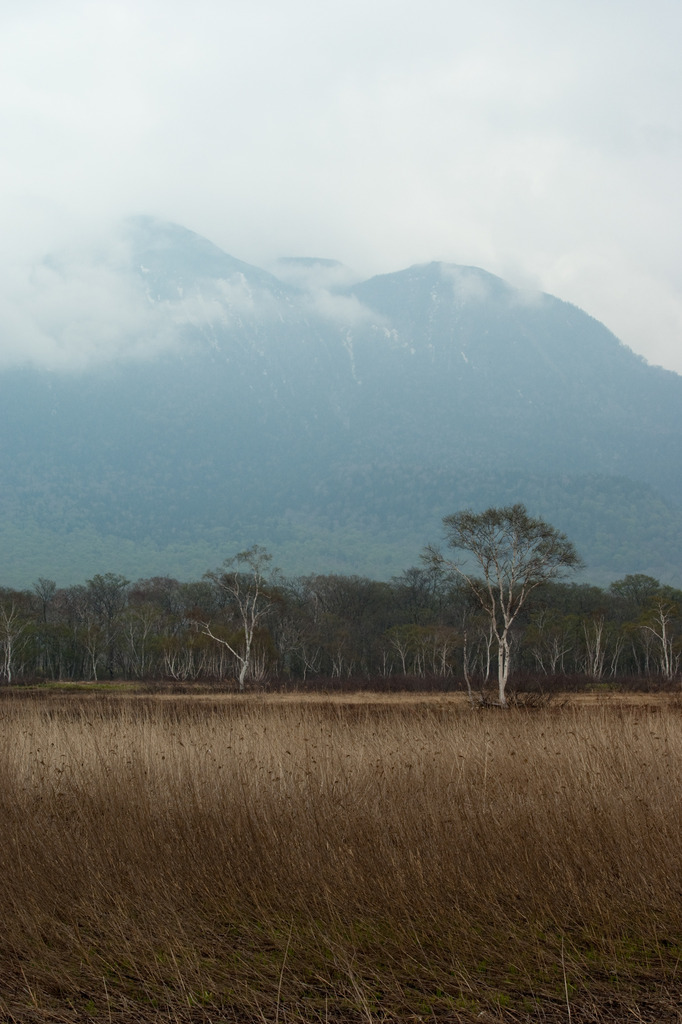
x: 281, y: 860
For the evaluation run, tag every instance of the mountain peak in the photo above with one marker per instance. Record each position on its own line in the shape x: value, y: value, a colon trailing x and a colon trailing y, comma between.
x: 305, y: 409
x: 164, y: 251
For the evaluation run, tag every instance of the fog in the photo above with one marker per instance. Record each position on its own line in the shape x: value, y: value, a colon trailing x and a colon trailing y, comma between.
x: 540, y: 142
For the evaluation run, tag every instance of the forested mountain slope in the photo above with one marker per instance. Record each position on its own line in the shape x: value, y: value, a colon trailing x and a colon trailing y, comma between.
x: 335, y: 423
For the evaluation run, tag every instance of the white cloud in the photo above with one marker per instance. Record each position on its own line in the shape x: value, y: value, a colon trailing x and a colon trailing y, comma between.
x: 78, y: 315
x: 90, y: 306
x: 314, y: 274
x: 346, y: 310
x: 467, y: 285
x: 538, y: 140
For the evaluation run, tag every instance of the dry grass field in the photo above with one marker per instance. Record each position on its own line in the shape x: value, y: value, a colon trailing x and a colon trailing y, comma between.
x: 339, y: 859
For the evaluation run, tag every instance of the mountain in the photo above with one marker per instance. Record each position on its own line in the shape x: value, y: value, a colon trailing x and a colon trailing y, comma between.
x: 334, y: 421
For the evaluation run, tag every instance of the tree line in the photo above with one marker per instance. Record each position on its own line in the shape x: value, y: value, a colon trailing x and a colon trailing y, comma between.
x: 463, y: 624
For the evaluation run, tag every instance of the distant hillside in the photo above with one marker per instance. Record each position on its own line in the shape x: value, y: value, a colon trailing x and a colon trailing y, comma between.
x: 336, y: 423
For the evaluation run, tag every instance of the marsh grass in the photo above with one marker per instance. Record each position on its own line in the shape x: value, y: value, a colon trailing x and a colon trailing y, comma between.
x: 289, y: 860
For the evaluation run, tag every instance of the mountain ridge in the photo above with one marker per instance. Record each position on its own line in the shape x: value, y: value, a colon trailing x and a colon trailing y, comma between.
x: 361, y: 412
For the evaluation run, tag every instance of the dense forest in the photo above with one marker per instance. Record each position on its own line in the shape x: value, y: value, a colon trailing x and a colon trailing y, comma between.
x: 421, y: 628
x: 336, y: 426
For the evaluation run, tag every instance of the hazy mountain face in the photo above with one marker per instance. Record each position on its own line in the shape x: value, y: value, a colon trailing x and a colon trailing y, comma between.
x: 333, y: 420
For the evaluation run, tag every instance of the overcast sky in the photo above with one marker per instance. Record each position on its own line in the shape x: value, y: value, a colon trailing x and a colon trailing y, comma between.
x: 537, y: 139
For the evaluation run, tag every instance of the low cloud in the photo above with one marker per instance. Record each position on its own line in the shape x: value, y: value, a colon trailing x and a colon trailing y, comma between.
x: 92, y: 306
x: 468, y: 284
x: 323, y: 283
x: 497, y: 140
x: 314, y: 275
x: 527, y: 298
x: 343, y: 309
x: 76, y: 315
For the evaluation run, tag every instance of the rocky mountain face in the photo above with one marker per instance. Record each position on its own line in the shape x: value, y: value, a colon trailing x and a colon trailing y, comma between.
x: 333, y: 421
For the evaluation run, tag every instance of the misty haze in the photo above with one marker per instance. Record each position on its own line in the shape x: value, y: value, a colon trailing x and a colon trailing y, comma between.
x: 340, y: 512
x: 171, y: 404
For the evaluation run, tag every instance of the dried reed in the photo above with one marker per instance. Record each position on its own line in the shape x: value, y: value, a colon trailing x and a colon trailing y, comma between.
x: 319, y: 860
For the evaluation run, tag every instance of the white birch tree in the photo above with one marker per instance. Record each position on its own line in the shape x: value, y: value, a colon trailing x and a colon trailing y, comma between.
x: 13, y: 626
x: 515, y: 553
x: 246, y: 583
x: 658, y: 623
